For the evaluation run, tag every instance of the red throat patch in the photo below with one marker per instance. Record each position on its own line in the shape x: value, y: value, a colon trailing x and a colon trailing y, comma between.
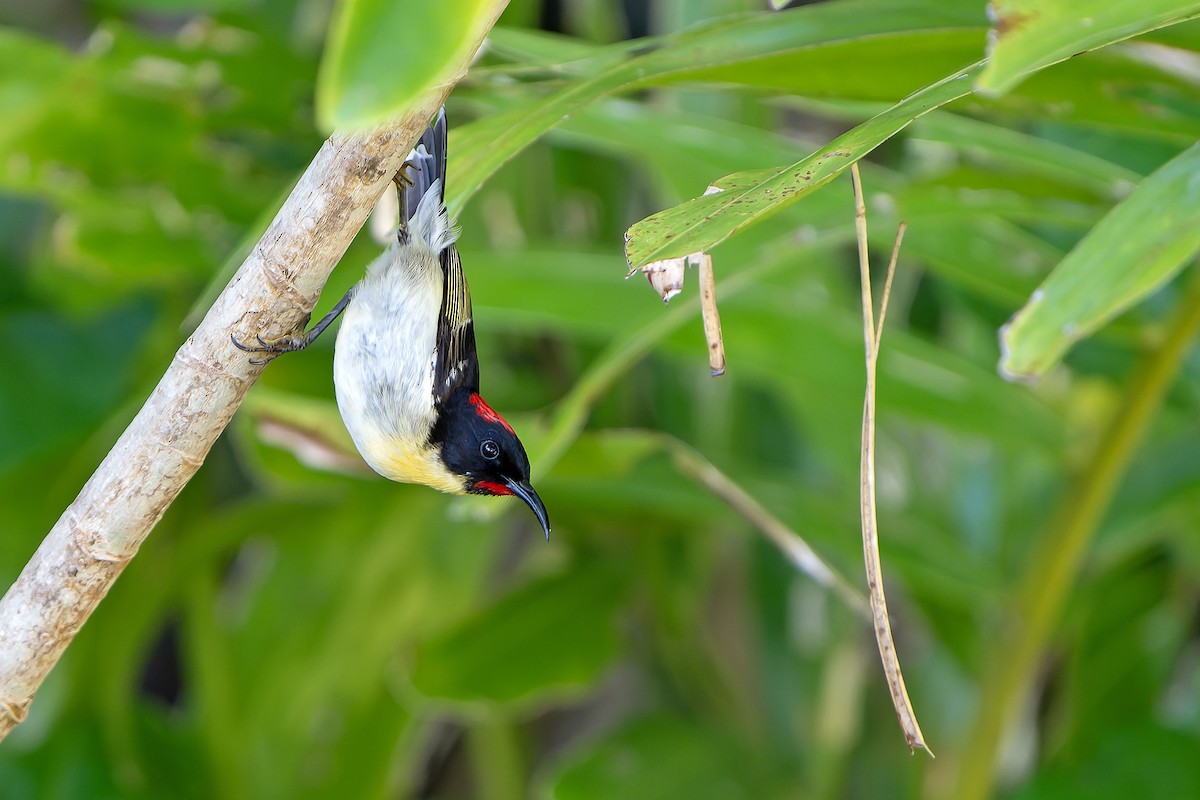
x: 485, y: 413
x: 498, y: 489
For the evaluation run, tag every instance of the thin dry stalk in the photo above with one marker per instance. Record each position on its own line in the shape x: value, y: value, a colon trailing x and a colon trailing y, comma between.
x: 708, y: 311
x: 870, y: 533
x: 272, y: 294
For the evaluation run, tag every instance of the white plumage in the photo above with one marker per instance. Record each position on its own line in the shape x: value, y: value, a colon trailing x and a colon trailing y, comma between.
x: 384, y: 359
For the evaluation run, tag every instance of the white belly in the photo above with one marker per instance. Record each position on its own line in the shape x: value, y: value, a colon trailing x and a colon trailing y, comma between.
x: 383, y: 366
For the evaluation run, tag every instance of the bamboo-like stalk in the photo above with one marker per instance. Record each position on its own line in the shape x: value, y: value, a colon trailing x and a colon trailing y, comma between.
x: 272, y: 293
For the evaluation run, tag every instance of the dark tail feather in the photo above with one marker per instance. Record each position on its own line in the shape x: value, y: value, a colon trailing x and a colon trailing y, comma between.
x: 428, y: 163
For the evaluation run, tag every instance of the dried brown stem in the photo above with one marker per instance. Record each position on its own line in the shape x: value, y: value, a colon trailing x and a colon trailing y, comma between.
x: 870, y: 533
x: 708, y: 312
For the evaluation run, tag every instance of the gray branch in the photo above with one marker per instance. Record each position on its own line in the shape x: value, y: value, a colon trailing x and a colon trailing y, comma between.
x: 272, y: 294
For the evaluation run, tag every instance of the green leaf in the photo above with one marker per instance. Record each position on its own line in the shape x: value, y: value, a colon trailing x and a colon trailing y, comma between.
x: 538, y: 48
x: 549, y: 637
x: 1135, y: 249
x: 1014, y: 148
x: 36, y: 414
x: 884, y: 67
x: 1112, y: 90
x: 704, y: 222
x: 988, y: 257
x: 1139, y: 759
x: 657, y: 758
x: 483, y: 147
x: 29, y: 69
x: 174, y: 6
x: 383, y: 54
x: 1033, y: 34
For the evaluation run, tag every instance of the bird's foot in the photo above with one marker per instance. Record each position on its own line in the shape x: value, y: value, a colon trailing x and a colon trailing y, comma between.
x: 401, y: 178
x: 271, y: 347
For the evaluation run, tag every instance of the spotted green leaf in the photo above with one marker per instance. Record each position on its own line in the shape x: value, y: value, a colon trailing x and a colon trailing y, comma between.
x: 703, y: 222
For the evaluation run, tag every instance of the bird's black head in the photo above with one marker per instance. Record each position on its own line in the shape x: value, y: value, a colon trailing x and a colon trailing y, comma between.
x: 479, y: 445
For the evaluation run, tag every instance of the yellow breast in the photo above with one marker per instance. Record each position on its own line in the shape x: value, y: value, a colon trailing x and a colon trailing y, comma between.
x: 420, y: 465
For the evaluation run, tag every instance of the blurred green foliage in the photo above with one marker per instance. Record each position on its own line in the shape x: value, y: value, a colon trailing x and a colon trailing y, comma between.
x: 296, y: 627
x: 371, y: 42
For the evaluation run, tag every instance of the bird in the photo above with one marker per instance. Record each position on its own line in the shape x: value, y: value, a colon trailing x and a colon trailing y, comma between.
x: 405, y: 367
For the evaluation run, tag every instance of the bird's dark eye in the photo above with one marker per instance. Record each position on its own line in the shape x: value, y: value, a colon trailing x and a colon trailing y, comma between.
x: 489, y: 450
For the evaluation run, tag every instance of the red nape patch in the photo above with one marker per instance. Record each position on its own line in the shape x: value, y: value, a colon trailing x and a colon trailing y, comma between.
x: 485, y: 413
x: 493, y: 488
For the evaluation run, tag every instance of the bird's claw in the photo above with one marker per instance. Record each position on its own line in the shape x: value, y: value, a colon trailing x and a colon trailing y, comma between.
x: 273, y: 347
x: 401, y: 178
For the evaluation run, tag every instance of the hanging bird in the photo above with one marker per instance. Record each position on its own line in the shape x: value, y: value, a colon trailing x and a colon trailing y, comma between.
x: 405, y: 369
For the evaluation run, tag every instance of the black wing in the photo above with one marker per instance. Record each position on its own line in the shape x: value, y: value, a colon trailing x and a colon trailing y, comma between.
x: 456, y: 365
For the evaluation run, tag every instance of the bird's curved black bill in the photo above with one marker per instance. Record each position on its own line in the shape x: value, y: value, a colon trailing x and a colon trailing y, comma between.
x: 524, y: 490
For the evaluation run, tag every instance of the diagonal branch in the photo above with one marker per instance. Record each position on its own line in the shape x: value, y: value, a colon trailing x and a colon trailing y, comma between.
x: 272, y: 293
